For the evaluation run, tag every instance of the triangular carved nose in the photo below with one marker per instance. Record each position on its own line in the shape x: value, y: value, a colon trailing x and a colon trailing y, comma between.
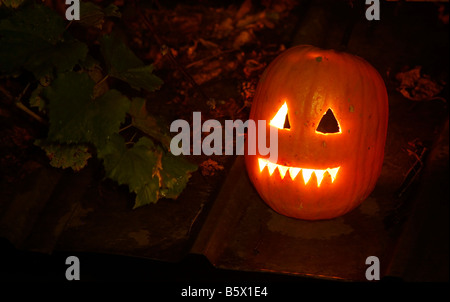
x: 328, y: 123
x: 287, y: 125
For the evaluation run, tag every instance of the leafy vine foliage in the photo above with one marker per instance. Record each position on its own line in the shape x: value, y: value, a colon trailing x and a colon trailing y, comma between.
x: 85, y: 115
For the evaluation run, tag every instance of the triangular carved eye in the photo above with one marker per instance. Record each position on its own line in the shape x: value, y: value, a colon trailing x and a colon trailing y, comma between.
x: 281, y: 119
x: 287, y: 125
x: 328, y: 124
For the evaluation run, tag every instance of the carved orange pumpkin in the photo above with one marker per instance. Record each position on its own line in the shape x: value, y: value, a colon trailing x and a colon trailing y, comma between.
x: 331, y: 111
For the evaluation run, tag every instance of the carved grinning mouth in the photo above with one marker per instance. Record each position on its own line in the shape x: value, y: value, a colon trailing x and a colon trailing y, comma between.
x: 294, y: 171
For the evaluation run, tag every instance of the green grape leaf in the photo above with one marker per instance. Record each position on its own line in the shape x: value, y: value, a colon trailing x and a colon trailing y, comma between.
x: 11, y: 3
x: 117, y: 55
x: 65, y: 156
x: 107, y: 114
x: 34, y: 39
x: 147, y: 123
x: 148, y: 171
x: 37, y: 21
x: 112, y: 11
x: 69, y: 96
x: 147, y: 194
x: 61, y: 57
x: 36, y: 100
x: 123, y: 64
x: 75, y: 117
x: 92, y: 15
x: 135, y: 166
x: 175, y: 174
x: 141, y: 77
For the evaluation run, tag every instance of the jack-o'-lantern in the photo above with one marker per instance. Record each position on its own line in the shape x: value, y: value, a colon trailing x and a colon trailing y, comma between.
x: 331, y: 112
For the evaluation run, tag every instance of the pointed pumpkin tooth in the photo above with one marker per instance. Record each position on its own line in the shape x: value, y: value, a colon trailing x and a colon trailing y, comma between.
x: 333, y: 172
x: 271, y: 167
x: 293, y: 172
x: 319, y: 176
x: 282, y: 170
x: 307, y: 174
x: 262, y: 164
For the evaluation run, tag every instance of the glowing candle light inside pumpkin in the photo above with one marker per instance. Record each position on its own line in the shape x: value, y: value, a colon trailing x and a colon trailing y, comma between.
x: 282, y: 170
x: 280, y: 117
x: 333, y: 173
x: 293, y: 171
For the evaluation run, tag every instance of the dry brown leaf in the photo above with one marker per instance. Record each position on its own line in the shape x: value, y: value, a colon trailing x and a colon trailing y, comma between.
x: 244, y: 9
x: 209, y: 71
x: 416, y: 86
x: 210, y: 167
x: 245, y: 36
